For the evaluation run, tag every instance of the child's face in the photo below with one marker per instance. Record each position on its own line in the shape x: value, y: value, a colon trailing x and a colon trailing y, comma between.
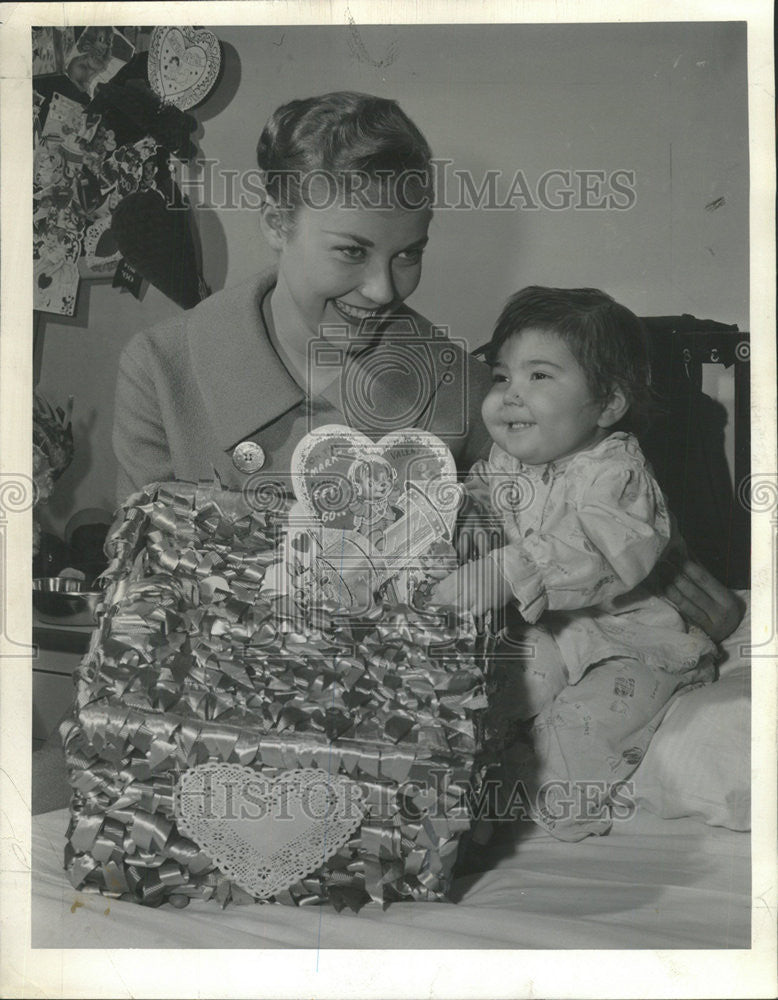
x: 347, y: 264
x: 540, y: 407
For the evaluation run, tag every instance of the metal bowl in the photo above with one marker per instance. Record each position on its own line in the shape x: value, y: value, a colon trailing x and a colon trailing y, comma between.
x: 63, y: 601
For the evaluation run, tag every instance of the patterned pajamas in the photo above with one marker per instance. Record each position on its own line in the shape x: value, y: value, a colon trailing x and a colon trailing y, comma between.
x: 606, y: 654
x: 579, y: 741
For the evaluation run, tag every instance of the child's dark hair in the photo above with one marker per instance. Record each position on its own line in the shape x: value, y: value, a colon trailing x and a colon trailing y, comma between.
x: 346, y: 136
x: 607, y: 340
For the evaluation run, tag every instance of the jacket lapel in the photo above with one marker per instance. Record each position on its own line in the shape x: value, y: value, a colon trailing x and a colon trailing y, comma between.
x: 243, y: 383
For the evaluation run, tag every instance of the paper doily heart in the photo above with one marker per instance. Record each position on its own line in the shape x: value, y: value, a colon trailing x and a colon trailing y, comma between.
x: 266, y: 835
x: 332, y: 464
x: 101, y: 251
x: 183, y: 64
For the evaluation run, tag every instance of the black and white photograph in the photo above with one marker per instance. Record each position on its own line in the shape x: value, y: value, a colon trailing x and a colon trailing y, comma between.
x: 388, y: 501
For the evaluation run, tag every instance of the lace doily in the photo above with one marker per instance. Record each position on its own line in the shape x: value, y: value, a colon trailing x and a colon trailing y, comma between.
x: 267, y: 834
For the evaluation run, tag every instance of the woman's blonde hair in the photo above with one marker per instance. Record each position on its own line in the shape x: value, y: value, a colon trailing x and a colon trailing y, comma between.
x: 352, y: 141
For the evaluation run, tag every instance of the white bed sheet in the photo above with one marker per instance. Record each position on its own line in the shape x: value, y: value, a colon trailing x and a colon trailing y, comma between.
x: 651, y: 883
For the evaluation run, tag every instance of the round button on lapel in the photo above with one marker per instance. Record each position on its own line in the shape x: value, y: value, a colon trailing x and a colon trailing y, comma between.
x: 248, y: 457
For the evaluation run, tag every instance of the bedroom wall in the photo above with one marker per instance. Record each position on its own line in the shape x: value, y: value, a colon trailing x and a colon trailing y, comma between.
x: 665, y: 101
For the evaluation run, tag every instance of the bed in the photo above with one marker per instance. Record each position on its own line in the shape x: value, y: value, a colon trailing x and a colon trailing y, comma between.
x: 675, y: 874
x: 652, y: 883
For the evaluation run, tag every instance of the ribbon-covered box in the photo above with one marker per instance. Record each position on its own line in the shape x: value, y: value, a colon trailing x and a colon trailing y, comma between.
x: 226, y: 746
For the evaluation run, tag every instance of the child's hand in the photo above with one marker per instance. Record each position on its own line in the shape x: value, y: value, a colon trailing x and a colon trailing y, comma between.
x: 478, y: 534
x: 477, y: 586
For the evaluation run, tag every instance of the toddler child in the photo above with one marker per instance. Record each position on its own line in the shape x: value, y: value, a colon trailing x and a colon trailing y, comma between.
x: 584, y: 524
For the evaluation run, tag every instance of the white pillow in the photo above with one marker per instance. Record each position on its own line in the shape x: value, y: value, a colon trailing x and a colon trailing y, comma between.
x: 699, y: 761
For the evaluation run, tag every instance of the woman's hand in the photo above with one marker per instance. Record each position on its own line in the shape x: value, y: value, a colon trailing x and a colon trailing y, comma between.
x: 478, y: 586
x: 698, y: 595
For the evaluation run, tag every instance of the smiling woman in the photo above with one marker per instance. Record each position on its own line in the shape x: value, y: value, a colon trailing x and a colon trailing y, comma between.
x: 326, y: 337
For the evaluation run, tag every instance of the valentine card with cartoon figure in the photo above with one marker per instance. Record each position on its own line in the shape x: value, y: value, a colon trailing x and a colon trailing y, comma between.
x: 367, y: 514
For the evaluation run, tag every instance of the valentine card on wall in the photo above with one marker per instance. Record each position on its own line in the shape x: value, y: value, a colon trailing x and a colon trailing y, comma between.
x: 50, y: 47
x: 184, y: 64
x: 97, y: 56
x: 55, y: 271
x: 101, y: 251
x: 102, y: 184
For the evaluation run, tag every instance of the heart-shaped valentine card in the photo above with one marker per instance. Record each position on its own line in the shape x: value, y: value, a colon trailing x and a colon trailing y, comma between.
x: 267, y: 834
x: 366, y: 514
x: 345, y: 481
x: 183, y: 64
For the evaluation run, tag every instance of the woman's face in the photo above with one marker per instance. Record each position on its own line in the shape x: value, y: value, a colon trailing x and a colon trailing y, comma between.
x: 346, y: 264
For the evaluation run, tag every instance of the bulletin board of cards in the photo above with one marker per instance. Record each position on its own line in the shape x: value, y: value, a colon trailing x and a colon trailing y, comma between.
x: 111, y: 123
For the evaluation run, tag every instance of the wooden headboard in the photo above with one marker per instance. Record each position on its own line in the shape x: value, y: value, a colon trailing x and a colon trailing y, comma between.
x: 685, y: 443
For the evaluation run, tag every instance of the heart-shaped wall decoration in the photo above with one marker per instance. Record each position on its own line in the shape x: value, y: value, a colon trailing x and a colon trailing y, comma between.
x: 101, y: 251
x: 184, y: 64
x: 267, y: 834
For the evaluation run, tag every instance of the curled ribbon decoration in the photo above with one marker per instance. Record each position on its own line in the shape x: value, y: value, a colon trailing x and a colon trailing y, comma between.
x: 197, y: 663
